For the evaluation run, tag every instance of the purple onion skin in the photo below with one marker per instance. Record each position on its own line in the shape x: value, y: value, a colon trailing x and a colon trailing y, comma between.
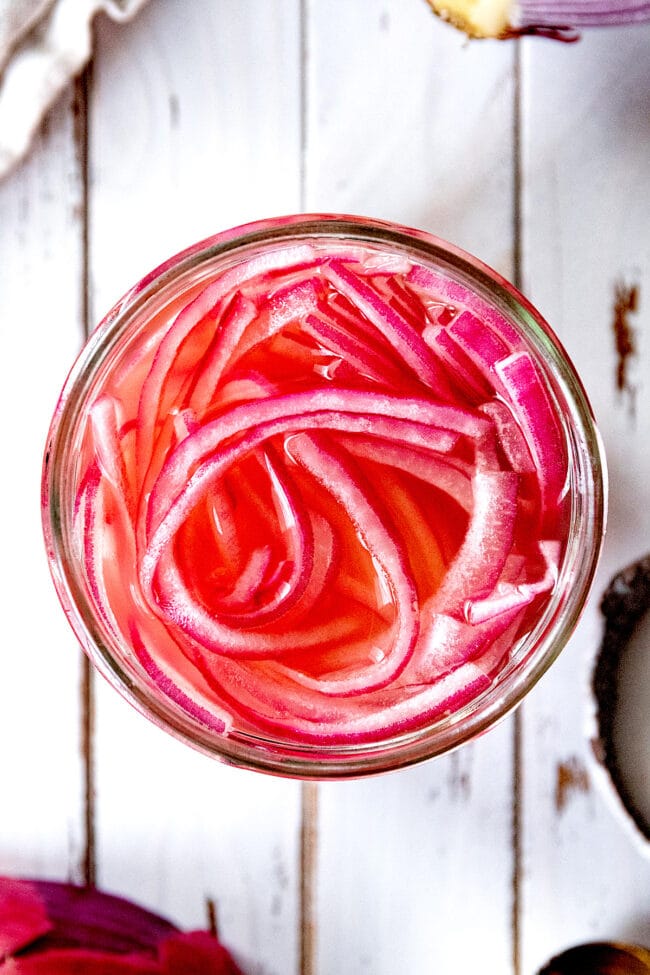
x: 563, y: 20
x: 46, y: 920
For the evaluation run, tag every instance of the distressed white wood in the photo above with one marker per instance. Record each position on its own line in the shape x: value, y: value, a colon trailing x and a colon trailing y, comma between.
x: 195, y: 127
x: 197, y: 117
x: 41, y: 804
x: 587, y: 199
x: 407, y: 122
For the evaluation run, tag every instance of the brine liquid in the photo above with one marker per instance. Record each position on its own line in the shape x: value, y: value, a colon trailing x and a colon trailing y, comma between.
x: 321, y: 496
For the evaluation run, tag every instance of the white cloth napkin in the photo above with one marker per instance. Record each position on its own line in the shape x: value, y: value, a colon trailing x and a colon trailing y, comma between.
x: 43, y: 44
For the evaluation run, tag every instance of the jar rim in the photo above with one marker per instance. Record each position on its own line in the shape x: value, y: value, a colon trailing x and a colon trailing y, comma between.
x: 552, y: 631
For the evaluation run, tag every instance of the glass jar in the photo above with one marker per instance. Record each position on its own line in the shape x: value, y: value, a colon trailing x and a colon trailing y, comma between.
x: 323, y: 496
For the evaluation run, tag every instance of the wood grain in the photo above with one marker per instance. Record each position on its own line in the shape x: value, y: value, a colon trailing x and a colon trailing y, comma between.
x: 407, y: 122
x: 186, y: 140
x: 202, y: 116
x: 586, y: 201
x: 41, y: 767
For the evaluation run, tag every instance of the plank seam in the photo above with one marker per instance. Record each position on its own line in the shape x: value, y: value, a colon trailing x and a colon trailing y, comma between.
x: 88, y: 866
x: 517, y: 723
x: 303, y: 16
x: 308, y: 861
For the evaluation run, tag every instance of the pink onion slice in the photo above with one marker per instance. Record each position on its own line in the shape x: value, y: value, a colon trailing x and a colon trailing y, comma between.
x: 424, y: 281
x: 274, y: 702
x: 461, y: 368
x: 453, y: 477
x: 206, y: 303
x: 361, y: 357
x: 478, y: 340
x: 448, y: 643
x: 403, y: 300
x: 403, y: 337
x: 239, y: 606
x: 210, y: 471
x: 322, y: 570
x: 248, y: 583
x: 486, y: 546
x: 410, y: 420
x: 179, y: 608
x: 172, y: 690
x: 106, y: 435
x: 286, y: 305
x: 512, y: 592
x: 92, y: 510
x: 539, y: 423
x: 510, y: 437
x: 506, y: 597
x: 342, y: 482
x: 238, y: 316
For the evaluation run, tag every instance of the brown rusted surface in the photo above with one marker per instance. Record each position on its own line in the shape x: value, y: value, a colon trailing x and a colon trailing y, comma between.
x: 626, y: 303
x: 571, y: 776
x: 211, y: 912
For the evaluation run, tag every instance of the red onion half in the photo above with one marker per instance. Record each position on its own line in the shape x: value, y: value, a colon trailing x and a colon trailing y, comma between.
x: 561, y: 19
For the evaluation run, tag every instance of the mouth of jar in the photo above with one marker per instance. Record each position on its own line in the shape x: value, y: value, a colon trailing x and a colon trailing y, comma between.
x: 376, y: 268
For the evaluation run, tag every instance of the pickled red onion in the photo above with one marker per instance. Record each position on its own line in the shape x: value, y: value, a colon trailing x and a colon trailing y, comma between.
x: 329, y: 496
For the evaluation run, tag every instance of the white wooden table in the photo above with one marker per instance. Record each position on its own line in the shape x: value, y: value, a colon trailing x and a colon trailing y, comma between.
x: 201, y: 115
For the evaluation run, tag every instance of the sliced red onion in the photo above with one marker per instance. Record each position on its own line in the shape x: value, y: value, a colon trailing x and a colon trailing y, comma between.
x: 448, y: 643
x: 171, y: 688
x: 277, y: 703
x: 211, y: 301
x: 510, y: 437
x: 287, y: 305
x: 324, y: 498
x: 362, y: 358
x: 108, y: 448
x: 480, y: 343
x: 409, y: 420
x: 460, y: 366
x: 23, y: 916
x: 506, y: 597
x: 424, y: 281
x: 486, y: 546
x: 248, y: 582
x: 538, y: 422
x: 240, y: 313
x: 341, y: 480
x: 239, y: 606
x: 403, y: 337
x: 453, y: 477
x: 403, y: 301
x: 178, y: 607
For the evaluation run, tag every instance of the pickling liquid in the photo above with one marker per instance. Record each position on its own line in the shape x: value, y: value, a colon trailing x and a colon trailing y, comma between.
x: 321, y: 497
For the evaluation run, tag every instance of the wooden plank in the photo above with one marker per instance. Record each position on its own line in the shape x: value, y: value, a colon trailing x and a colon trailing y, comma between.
x: 195, y: 127
x: 41, y: 767
x: 407, y: 122
x: 586, y: 203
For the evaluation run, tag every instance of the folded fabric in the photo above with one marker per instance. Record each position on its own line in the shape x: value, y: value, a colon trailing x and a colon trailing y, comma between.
x: 43, y: 44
